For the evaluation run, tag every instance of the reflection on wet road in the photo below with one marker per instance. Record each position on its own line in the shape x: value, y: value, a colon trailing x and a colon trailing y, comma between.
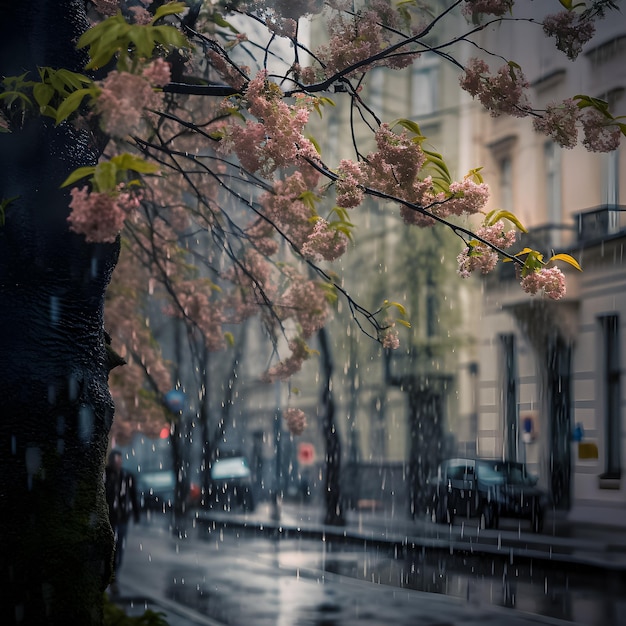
x: 246, y: 580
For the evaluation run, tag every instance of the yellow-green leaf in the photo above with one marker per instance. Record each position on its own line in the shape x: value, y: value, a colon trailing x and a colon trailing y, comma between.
x: 78, y: 174
x: 567, y: 259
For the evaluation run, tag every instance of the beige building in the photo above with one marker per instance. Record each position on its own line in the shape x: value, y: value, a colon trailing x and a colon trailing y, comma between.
x: 551, y: 373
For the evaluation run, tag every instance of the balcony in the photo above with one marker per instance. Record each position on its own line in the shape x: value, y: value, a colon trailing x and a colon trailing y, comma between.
x: 599, y: 223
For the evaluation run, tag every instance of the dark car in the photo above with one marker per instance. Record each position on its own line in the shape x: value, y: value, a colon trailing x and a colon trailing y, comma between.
x: 486, y: 490
x: 156, y: 490
x: 231, y: 484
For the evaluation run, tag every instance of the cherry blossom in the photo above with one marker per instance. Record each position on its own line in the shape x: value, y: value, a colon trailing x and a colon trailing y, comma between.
x: 501, y: 93
x: 549, y: 279
x: 559, y: 122
x: 474, y: 8
x: 295, y: 420
x: 324, y: 243
x: 570, y: 30
x: 601, y: 133
x: 123, y: 100
x: 349, y: 184
x: 99, y: 216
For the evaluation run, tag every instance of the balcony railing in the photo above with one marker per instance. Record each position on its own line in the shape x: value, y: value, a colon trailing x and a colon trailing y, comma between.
x: 600, y: 222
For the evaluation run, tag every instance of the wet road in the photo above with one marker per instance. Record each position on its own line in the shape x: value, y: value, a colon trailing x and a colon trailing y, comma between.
x: 240, y: 578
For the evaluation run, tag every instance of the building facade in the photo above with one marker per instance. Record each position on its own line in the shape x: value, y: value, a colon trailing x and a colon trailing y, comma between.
x: 551, y: 373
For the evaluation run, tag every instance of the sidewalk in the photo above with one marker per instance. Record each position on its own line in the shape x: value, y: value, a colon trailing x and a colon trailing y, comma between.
x: 587, y: 544
x: 562, y: 542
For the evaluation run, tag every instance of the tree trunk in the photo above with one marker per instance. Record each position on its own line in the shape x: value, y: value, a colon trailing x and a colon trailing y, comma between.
x: 332, y: 492
x: 56, y: 410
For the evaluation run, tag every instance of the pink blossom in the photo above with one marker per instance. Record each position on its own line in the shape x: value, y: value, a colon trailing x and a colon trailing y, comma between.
x: 229, y: 72
x: 467, y: 197
x: 601, y: 133
x: 550, y: 279
x: 306, y: 302
x: 570, y: 30
x: 295, y: 420
x: 496, y: 235
x: 106, y: 7
x: 348, y: 185
x: 559, y: 122
x: 158, y: 72
x: 474, y: 8
x: 122, y: 101
x: 503, y: 92
x: 324, y: 243
x: 477, y: 257
x: 140, y: 15
x: 98, y: 216
x: 389, y: 337
x: 355, y: 38
x: 283, y: 370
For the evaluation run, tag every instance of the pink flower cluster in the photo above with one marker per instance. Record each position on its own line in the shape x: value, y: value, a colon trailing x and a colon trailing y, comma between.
x: 283, y: 370
x: 99, y: 216
x: 124, y: 97
x: 570, y: 31
x: 306, y: 302
x: 561, y: 121
x: 295, y: 420
x: 467, y: 198
x: 193, y: 298
x: 389, y: 337
x: 601, y: 133
x: 549, y: 279
x: 158, y: 72
x: 501, y: 93
x: 474, y: 8
x: 479, y: 255
x: 355, y: 37
x: 348, y: 185
x: 275, y: 139
x: 324, y: 243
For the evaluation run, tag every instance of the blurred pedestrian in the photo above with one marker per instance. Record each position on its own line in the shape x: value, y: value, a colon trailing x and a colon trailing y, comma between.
x: 121, y: 495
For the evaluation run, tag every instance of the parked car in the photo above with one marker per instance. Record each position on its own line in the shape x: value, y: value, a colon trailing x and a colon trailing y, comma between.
x: 156, y: 490
x: 487, y: 490
x: 230, y: 485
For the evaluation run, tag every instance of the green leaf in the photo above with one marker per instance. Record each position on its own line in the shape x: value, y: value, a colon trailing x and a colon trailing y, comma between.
x: 397, y: 305
x: 506, y: 215
x: 43, y: 94
x: 567, y: 4
x: 127, y: 161
x: 72, y: 102
x: 171, y: 8
x: 105, y: 176
x: 567, y: 259
x: 410, y: 125
x: 78, y: 174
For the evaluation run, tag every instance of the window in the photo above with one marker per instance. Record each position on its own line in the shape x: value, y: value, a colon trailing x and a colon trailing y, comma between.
x: 552, y: 156
x: 610, y: 182
x: 506, y: 184
x: 424, y: 86
x: 611, y: 387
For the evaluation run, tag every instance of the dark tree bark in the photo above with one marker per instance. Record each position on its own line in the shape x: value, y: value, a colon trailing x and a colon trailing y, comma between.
x: 55, y: 405
x: 332, y: 492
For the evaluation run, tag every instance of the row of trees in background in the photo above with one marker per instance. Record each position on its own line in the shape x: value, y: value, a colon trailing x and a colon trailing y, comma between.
x: 168, y: 141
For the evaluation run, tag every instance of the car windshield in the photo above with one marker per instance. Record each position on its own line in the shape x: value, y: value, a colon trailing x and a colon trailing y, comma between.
x: 501, y: 473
